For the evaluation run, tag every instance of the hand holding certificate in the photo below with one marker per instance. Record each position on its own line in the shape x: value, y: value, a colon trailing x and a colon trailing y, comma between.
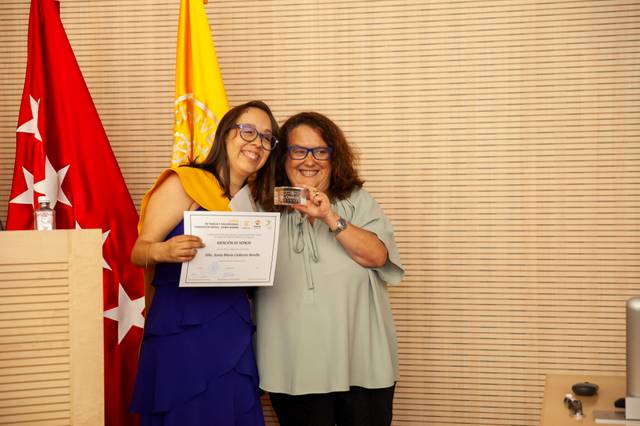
x: 240, y: 249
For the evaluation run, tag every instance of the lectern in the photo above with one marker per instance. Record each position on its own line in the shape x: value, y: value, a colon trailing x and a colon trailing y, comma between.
x: 51, y: 347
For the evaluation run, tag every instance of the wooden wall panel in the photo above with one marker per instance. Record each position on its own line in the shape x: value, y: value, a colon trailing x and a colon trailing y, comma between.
x: 502, y: 137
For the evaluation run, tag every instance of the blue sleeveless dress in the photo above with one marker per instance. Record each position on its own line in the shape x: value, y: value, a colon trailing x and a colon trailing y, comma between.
x: 197, y: 365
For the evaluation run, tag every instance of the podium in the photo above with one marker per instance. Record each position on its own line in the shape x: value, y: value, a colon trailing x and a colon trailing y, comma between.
x: 51, y: 319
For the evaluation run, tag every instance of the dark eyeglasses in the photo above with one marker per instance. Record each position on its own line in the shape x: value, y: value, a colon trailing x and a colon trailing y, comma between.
x: 249, y: 133
x: 321, y: 153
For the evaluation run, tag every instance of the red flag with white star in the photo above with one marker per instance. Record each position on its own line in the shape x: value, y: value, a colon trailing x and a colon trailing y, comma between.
x: 63, y: 152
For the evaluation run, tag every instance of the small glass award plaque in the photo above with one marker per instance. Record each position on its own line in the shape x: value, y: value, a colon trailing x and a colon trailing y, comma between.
x: 290, y: 195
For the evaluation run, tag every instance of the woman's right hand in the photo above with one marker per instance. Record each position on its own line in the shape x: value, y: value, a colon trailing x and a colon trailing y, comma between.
x: 181, y: 248
x: 165, y: 209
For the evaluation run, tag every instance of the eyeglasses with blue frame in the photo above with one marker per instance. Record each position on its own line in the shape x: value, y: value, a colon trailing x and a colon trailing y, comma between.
x: 249, y: 133
x: 320, y: 153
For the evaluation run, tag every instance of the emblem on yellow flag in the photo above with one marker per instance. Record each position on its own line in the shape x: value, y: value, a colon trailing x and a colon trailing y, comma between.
x: 200, y: 96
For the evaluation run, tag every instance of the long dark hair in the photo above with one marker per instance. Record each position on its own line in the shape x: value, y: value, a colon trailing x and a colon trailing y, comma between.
x: 217, y: 162
x: 344, y: 176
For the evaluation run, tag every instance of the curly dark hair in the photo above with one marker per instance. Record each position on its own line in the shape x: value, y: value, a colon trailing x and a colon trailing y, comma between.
x: 217, y: 162
x: 344, y: 176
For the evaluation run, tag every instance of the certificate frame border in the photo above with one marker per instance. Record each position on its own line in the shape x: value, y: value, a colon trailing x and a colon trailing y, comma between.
x: 183, y: 283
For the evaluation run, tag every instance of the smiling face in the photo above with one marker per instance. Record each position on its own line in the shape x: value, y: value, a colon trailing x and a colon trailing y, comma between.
x: 246, y: 158
x: 308, y: 171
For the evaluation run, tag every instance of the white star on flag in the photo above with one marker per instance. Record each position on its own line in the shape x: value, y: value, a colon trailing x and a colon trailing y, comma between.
x: 51, y: 185
x: 31, y: 126
x: 128, y: 313
x: 104, y: 238
x: 27, y: 196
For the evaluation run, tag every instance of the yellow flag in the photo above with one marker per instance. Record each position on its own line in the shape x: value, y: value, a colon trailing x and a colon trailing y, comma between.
x: 200, y: 97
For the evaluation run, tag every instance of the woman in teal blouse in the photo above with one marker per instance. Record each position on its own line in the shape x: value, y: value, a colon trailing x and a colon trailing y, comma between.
x: 326, y: 342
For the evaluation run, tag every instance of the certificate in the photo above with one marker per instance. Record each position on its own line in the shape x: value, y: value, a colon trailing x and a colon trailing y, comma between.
x: 240, y: 249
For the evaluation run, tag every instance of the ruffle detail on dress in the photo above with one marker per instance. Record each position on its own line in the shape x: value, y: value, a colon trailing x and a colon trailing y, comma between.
x: 229, y: 400
x: 173, y: 308
x: 175, y: 368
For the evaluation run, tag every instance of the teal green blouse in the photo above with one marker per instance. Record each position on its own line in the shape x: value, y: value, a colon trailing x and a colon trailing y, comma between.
x: 326, y: 323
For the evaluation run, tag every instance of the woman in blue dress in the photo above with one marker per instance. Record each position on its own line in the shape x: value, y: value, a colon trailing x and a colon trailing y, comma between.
x: 197, y: 364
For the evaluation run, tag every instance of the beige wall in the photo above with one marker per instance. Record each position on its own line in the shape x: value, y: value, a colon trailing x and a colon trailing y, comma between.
x: 502, y: 137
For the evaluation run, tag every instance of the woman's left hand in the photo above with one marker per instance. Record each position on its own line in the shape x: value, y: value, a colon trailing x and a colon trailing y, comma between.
x: 318, y: 205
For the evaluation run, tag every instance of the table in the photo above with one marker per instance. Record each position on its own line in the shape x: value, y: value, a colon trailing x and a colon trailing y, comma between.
x: 556, y: 413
